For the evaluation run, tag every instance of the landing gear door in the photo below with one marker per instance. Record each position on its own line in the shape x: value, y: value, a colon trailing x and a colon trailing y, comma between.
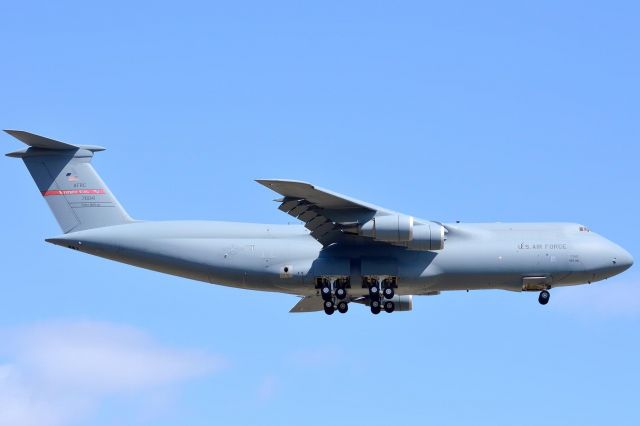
x: 331, y: 267
x: 382, y: 266
x: 535, y: 283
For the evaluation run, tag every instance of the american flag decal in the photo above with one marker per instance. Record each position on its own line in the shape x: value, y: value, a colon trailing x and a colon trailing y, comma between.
x: 71, y: 177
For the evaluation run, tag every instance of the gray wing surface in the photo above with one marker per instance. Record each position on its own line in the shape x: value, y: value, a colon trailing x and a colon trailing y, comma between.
x: 325, y: 213
x: 308, y: 304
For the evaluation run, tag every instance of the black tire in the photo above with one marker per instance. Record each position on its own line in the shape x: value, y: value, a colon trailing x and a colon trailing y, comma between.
x: 341, y: 293
x: 374, y: 289
x: 388, y: 293
x: 389, y: 307
x: 343, y: 307
x: 544, y: 297
x: 326, y: 292
x: 375, y: 304
x: 375, y: 311
x: 329, y: 307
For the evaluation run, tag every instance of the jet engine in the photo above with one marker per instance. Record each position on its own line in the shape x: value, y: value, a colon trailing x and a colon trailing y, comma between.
x: 402, y: 303
x: 401, y: 230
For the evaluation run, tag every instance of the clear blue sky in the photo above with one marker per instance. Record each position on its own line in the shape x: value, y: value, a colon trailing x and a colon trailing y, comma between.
x: 500, y: 111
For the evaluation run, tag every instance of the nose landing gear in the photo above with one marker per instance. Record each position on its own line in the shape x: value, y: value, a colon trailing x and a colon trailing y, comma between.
x: 544, y: 297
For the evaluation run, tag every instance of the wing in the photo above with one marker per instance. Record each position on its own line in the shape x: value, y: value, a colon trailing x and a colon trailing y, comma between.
x: 324, y: 213
x: 308, y: 304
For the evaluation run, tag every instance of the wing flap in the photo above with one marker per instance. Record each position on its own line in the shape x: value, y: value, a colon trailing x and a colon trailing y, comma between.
x: 325, y: 213
x: 322, y: 211
x: 289, y: 204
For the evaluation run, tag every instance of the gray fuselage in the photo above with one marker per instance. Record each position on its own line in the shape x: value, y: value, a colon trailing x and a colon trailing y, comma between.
x: 285, y: 258
x: 346, y: 250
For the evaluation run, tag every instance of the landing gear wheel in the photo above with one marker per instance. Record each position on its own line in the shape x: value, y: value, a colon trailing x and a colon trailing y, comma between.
x: 374, y: 289
x: 388, y: 293
x: 389, y: 307
x: 329, y: 308
x: 343, y: 307
x: 375, y: 307
x: 326, y: 292
x: 341, y: 293
x: 544, y: 297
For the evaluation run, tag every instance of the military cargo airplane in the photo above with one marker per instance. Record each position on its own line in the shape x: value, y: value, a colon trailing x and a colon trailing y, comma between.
x: 344, y: 251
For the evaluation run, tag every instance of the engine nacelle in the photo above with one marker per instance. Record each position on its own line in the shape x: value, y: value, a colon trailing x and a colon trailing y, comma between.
x: 402, y: 303
x: 401, y: 230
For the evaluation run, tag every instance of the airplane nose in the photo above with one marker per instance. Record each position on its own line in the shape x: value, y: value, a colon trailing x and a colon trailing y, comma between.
x: 622, y: 259
x: 604, y: 259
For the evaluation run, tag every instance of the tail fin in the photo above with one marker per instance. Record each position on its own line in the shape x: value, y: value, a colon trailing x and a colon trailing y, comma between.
x: 76, y: 195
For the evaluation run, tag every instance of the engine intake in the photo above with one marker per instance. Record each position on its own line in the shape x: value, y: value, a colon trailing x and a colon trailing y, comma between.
x: 401, y: 230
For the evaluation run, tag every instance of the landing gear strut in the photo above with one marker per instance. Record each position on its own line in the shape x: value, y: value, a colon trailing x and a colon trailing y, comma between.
x: 544, y: 296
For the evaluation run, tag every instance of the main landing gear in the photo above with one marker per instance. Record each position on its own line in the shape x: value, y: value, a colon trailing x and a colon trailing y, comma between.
x: 334, y: 293
x: 329, y: 307
x: 378, y: 295
x: 389, y: 306
x: 544, y: 297
x: 375, y: 306
x: 378, y: 290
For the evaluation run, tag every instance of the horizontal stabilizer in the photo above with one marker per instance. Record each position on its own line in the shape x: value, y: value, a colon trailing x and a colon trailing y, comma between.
x: 41, y: 142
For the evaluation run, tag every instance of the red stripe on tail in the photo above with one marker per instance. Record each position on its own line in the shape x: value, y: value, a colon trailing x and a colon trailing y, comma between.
x: 73, y: 192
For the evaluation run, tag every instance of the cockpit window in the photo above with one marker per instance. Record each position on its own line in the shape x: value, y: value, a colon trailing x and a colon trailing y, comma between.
x: 584, y: 229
